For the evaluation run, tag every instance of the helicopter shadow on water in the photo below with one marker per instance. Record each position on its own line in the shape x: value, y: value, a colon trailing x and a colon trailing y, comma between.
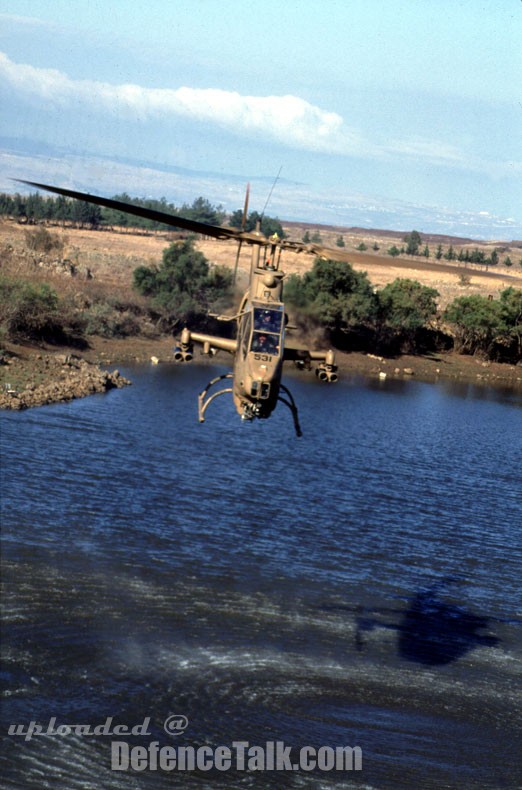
x: 430, y: 630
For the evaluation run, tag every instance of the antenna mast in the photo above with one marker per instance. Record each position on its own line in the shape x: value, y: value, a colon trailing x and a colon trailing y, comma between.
x: 276, y: 179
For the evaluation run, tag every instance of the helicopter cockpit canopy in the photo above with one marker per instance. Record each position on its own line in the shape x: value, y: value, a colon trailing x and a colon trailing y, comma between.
x: 268, y: 325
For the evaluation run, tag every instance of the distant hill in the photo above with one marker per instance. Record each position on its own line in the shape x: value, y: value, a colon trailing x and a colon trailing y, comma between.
x: 299, y: 228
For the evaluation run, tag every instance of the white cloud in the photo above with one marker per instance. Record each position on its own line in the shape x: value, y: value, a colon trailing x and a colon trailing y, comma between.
x: 288, y: 119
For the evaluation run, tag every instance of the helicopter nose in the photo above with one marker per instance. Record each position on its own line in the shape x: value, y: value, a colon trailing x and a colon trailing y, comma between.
x: 260, y: 389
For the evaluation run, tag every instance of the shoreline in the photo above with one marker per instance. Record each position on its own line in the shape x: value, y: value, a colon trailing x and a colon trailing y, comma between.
x: 38, y: 375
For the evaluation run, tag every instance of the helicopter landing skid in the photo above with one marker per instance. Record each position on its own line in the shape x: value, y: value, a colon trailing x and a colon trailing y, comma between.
x: 204, y: 404
x: 204, y: 401
x: 293, y: 408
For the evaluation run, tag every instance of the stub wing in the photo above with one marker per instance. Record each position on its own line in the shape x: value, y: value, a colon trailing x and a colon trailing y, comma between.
x: 211, y: 343
x: 220, y: 343
x: 326, y: 369
x: 295, y: 353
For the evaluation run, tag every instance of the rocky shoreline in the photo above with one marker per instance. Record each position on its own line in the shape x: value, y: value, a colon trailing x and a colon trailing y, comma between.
x: 52, y: 378
x: 36, y: 376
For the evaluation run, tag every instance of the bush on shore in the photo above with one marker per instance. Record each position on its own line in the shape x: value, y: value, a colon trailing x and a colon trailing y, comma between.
x: 403, y: 316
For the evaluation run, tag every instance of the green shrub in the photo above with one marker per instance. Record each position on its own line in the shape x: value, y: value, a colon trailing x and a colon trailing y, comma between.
x: 407, y: 305
x: 333, y: 294
x: 41, y: 240
x: 184, y: 286
x: 106, y: 321
x: 476, y: 322
x: 30, y: 311
x: 406, y: 308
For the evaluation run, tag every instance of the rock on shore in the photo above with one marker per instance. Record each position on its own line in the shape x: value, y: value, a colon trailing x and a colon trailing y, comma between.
x: 56, y: 378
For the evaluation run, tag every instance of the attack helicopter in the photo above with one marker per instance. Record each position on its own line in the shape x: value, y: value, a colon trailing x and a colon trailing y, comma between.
x: 259, y: 348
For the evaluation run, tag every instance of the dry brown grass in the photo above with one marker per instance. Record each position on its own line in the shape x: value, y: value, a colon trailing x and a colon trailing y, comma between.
x: 446, y: 277
x: 113, y: 256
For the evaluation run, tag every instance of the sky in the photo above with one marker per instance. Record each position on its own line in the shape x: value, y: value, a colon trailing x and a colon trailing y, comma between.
x: 392, y: 114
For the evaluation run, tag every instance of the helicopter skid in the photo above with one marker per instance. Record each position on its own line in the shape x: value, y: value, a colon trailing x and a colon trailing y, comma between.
x: 204, y: 402
x: 293, y: 408
x: 249, y: 410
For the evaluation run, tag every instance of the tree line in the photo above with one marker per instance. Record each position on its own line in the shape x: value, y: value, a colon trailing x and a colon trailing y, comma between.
x: 37, y: 208
x: 413, y: 245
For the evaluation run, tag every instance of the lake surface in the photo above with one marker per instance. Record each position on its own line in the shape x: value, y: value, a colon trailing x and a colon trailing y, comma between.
x: 360, y: 586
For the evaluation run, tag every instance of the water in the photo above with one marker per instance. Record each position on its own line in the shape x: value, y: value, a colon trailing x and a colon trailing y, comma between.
x: 356, y: 587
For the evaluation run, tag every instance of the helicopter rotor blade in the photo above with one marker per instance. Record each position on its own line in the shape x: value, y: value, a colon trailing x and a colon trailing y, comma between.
x: 236, y: 264
x: 329, y: 253
x: 243, y: 226
x: 245, y: 208
x: 315, y: 249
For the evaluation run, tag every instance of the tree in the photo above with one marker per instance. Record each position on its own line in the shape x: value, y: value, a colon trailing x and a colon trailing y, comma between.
x: 477, y: 256
x: 34, y: 207
x: 340, y: 241
x: 394, y: 251
x: 334, y: 294
x: 407, y: 306
x: 508, y: 261
x: 202, y: 210
x: 511, y: 315
x: 62, y: 210
x: 476, y: 321
x: 269, y: 225
x: 86, y: 214
x: 450, y: 253
x: 413, y: 242
x: 362, y: 247
x: 306, y: 237
x: 426, y: 251
x: 184, y: 286
x: 489, y: 326
x: 438, y: 254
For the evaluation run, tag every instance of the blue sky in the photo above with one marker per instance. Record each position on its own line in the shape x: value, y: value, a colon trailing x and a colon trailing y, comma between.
x: 396, y: 114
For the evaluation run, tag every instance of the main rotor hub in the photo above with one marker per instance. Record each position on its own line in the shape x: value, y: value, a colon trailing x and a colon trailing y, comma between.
x: 269, y: 280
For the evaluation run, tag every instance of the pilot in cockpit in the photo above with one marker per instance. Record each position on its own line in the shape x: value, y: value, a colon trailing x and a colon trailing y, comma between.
x: 270, y: 322
x: 265, y: 344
